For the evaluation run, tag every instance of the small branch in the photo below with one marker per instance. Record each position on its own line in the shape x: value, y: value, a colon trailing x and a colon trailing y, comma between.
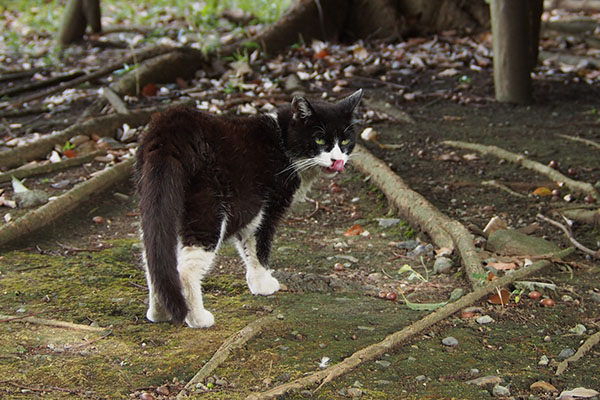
x: 40, y: 84
x: 235, y: 341
x: 567, y: 231
x: 577, y: 186
x: 115, y: 100
x: 394, y: 340
x: 52, y: 322
x: 580, y: 140
x: 55, y: 209
x: 50, y: 167
x: 502, y: 187
x: 585, y: 347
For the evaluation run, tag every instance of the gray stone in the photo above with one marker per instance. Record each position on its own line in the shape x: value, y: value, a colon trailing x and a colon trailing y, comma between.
x: 421, y: 250
x: 109, y: 143
x: 500, y: 391
x: 442, y: 265
x: 383, y: 382
x: 387, y: 222
x: 566, y: 353
x: 485, y: 380
x: 408, y: 244
x: 30, y: 198
x: 543, y: 360
x: 510, y: 242
x: 420, y: 378
x: 383, y: 363
x: 484, y: 319
x: 596, y: 297
x: 449, y: 341
x: 354, y: 392
x: 306, y: 394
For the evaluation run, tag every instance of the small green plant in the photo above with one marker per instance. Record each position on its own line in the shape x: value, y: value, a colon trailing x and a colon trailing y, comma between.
x: 414, y: 274
x: 68, y: 146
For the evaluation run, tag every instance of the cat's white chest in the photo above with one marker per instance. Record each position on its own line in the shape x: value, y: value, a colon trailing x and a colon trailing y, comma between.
x: 307, y: 177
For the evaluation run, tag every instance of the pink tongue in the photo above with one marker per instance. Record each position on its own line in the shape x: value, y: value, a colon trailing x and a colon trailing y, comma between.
x: 338, y: 165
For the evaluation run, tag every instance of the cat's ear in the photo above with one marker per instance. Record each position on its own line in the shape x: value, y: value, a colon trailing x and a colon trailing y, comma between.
x: 349, y: 103
x: 301, y: 108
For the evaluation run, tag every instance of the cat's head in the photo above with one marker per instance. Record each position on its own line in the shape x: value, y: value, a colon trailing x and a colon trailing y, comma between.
x: 321, y: 135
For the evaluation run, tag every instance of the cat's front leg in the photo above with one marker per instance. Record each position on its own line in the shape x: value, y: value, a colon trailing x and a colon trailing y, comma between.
x: 259, y: 279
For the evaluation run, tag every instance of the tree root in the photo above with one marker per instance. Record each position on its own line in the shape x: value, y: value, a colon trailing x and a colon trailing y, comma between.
x: 580, y: 140
x: 135, y: 56
x: 585, y: 347
x: 101, y: 126
x: 55, y: 209
x: 444, y: 231
x: 54, y: 323
x: 235, y: 341
x: 394, y: 340
x: 591, y: 217
x: 504, y: 188
x: 50, y: 167
x: 577, y: 186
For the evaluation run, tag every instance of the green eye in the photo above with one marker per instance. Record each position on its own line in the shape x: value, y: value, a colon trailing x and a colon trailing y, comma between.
x: 345, y: 142
x: 320, y: 141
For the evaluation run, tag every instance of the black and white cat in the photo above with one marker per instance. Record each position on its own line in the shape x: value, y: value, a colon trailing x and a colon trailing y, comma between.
x: 204, y: 179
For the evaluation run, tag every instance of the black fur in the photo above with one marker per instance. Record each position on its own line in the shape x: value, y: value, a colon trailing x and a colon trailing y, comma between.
x: 194, y: 169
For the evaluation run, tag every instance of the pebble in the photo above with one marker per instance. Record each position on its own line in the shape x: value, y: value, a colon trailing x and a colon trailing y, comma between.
x: 578, y: 329
x: 544, y: 360
x: 221, y: 382
x: 500, y: 391
x: 383, y: 382
x: 566, y: 353
x: 108, y: 143
x: 420, y: 378
x: 484, y: 319
x: 30, y: 198
x: 387, y: 222
x: 411, y: 358
x: 485, y: 380
x: 449, y: 341
x: 474, y: 371
x: 442, y: 265
x: 595, y: 297
x: 306, y: 394
x: 383, y: 363
x: 354, y: 392
x: 547, y: 338
x: 421, y: 250
x: 79, y: 139
x: 408, y: 245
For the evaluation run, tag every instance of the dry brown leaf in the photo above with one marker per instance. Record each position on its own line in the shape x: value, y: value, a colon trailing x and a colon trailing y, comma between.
x: 501, y: 297
x: 542, y: 192
x: 354, y: 230
x: 541, y: 386
x: 503, y: 266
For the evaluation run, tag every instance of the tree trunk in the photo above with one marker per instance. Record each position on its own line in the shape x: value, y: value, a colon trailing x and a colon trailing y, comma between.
x: 78, y: 15
x: 513, y: 43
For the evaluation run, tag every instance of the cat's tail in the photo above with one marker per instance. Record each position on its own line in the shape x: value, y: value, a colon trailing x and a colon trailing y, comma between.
x: 161, y: 190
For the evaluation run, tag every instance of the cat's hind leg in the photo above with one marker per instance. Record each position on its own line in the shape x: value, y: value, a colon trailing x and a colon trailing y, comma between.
x: 193, y: 263
x: 259, y: 279
x: 156, y: 312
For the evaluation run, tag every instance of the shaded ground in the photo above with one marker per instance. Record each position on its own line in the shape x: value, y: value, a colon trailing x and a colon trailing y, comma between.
x: 87, y: 273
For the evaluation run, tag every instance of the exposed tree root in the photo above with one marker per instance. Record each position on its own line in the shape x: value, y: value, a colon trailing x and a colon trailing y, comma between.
x: 567, y: 231
x: 577, y: 186
x: 580, y: 140
x: 420, y: 213
x: 235, y: 341
x: 54, y: 323
x: 585, y: 347
x: 503, y: 187
x: 135, y: 56
x: 394, y: 340
x: 591, y: 217
x: 101, y: 126
x: 50, y: 167
x: 55, y: 209
x: 40, y: 84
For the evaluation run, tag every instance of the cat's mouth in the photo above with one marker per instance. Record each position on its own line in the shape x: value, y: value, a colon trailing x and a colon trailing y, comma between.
x: 338, y: 166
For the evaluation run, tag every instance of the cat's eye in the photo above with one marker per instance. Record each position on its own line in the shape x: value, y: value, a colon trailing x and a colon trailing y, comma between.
x: 320, y: 141
x: 345, y: 142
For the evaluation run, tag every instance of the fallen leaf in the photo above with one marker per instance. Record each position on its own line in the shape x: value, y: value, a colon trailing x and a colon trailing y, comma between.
x: 471, y: 157
x: 503, y: 266
x: 443, y: 252
x: 70, y: 153
x: 542, y: 386
x: 495, y: 223
x: 149, y: 90
x: 354, y: 230
x: 542, y: 192
x: 320, y: 54
x: 500, y: 297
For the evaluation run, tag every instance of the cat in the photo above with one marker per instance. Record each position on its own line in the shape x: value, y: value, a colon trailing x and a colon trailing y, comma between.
x: 203, y: 179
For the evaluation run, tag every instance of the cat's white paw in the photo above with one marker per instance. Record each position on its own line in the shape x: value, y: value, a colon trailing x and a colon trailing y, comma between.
x: 200, y: 319
x: 261, y: 282
x: 157, y: 314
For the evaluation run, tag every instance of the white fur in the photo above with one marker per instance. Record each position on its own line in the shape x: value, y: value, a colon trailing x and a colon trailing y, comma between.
x: 258, y: 277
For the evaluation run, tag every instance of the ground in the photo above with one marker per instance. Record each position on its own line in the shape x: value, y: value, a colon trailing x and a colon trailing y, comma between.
x: 90, y: 273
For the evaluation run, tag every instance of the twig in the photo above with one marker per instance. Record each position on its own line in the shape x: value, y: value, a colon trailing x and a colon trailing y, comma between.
x: 580, y: 140
x: 52, y: 322
x: 585, y: 347
x: 502, y: 187
x: 235, y: 341
x: 577, y: 186
x: 62, y: 205
x: 419, y: 212
x: 50, y: 167
x: 114, y: 100
x: 567, y: 231
x: 394, y: 340
x: 40, y: 84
